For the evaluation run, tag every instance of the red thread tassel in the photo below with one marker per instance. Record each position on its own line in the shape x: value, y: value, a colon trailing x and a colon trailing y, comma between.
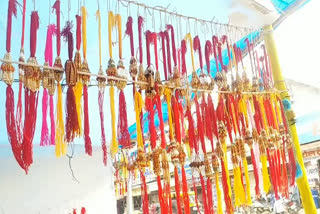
x: 208, y: 52
x: 168, y: 199
x: 123, y: 133
x: 255, y: 171
x: 192, y: 141
x: 56, y: 7
x: 74, y: 211
x: 197, y: 47
x: 31, y: 104
x: 209, y: 194
x: 204, y: 195
x: 200, y: 125
x: 166, y: 35
x: 87, y: 139
x: 144, y: 194
x: 174, y: 52
x: 140, y: 24
x: 163, y: 47
x: 72, y: 125
x: 183, y: 57
x: 152, y: 128
x: 83, y: 210
x: 160, y: 195
x: 213, y: 116
x: 103, y: 135
x: 11, y: 127
x: 12, y: 10
x: 129, y: 32
x: 78, y: 43
x: 23, y: 22
x: 227, y: 199
x: 175, y: 108
x: 34, y: 26
x: 19, y: 114
x: 186, y: 201
x: 177, y: 188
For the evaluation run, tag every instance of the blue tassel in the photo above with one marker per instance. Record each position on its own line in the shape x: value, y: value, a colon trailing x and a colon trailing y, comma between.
x: 298, y: 171
x: 286, y: 104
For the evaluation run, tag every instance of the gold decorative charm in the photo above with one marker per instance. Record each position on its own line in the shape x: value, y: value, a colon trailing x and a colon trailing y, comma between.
x: 78, y: 65
x: 215, y: 163
x: 133, y: 68
x: 8, y: 70
x: 32, y: 75
x: 71, y: 73
x: 207, y: 167
x: 121, y: 73
x: 21, y: 67
x: 51, y: 82
x: 149, y: 75
x: 142, y: 78
x: 45, y: 76
x: 111, y: 72
x: 58, y: 74
x: 101, y: 80
x: 174, y: 153
x: 85, y: 69
x: 195, y: 81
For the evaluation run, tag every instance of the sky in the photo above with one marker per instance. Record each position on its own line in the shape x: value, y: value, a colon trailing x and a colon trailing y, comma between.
x: 298, y: 30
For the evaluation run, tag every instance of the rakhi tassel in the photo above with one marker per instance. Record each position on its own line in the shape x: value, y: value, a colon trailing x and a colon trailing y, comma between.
x: 160, y: 195
x: 123, y: 133
x: 45, y: 140
x: 209, y: 194
x: 292, y: 166
x: 138, y: 104
x: 144, y: 194
x: 114, y: 143
x: 185, y: 196
x: 246, y: 174
x: 11, y: 127
x: 160, y: 115
x: 61, y: 146
x: 195, y: 194
x: 78, y: 89
x: 204, y: 195
x: 240, y: 197
x: 227, y: 199
x: 219, y: 197
x: 255, y: 171
x: 177, y: 188
x: 265, y: 173
x: 191, y: 130
x: 52, y: 125
x: 87, y: 139
x: 83, y: 210
x: 19, y: 114
x: 72, y: 122
x: 31, y: 104
x: 103, y: 135
x: 12, y: 10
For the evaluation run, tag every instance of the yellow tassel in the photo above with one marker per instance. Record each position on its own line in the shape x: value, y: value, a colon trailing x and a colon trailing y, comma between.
x: 219, y: 197
x: 225, y: 160
x: 239, y: 194
x: 99, y: 31
x: 265, y: 173
x: 111, y: 24
x: 263, y: 112
x: 189, y: 38
x: 138, y: 105
x: 246, y: 174
x: 114, y: 143
x: 84, y: 31
x: 275, y: 103
x: 243, y: 109
x: 61, y: 146
x: 118, y: 22
x: 274, y: 114
x: 167, y: 94
x: 78, y: 95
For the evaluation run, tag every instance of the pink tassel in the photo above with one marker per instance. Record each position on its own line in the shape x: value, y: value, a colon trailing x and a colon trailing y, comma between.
x: 103, y: 135
x: 183, y: 56
x: 45, y: 140
x: 123, y: 133
x: 208, y: 52
x: 53, y: 123
x: 140, y: 24
x: 48, y: 51
x: 87, y: 139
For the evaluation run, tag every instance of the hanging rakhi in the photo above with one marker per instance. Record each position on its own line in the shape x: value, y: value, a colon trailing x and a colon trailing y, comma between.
x: 85, y: 81
x: 222, y: 132
x: 78, y: 88
x: 123, y: 133
x: 8, y: 76
x: 141, y: 76
x: 220, y: 78
x: 61, y: 146
x: 289, y: 143
x: 72, y: 122
x: 21, y: 76
x: 112, y: 72
x: 133, y: 68
x: 32, y: 85
x: 150, y: 93
x: 45, y: 139
x: 101, y: 83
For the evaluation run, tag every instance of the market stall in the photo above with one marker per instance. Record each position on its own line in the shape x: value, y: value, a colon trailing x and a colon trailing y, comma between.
x: 198, y: 116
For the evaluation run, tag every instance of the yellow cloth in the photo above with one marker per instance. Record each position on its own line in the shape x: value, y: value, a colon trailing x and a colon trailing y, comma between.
x: 114, y: 143
x: 61, y: 146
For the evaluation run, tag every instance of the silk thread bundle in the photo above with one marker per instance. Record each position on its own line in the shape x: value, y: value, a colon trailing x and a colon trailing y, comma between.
x: 31, y: 99
x: 72, y: 122
x: 144, y: 194
x: 79, y: 89
x: 61, y: 146
x: 45, y: 139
